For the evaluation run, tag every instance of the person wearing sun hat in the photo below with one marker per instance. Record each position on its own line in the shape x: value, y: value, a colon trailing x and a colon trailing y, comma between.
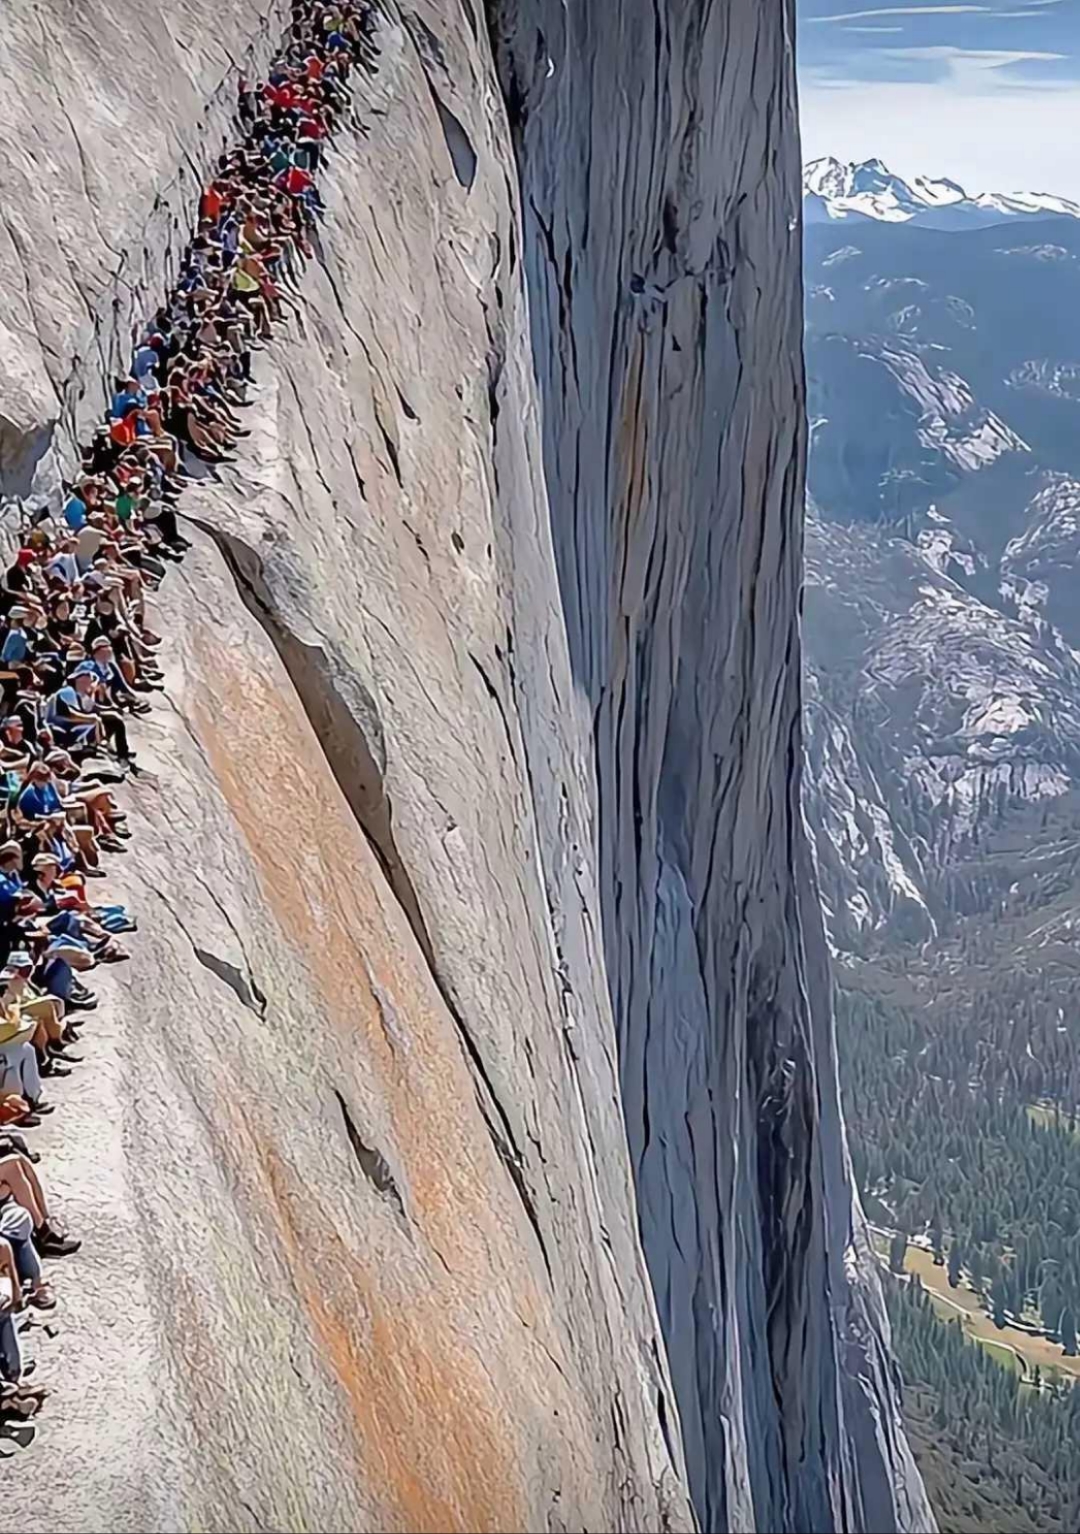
x: 45, y: 1014
x: 52, y: 834
x: 19, y: 1071
x: 38, y: 796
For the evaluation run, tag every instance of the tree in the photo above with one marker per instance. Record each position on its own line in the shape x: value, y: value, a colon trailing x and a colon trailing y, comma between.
x: 937, y: 1241
x: 1068, y: 1332
x: 998, y: 1300
x: 954, y: 1264
x: 897, y: 1252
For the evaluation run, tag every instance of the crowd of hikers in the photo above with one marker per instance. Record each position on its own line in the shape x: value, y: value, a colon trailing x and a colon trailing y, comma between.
x: 78, y: 653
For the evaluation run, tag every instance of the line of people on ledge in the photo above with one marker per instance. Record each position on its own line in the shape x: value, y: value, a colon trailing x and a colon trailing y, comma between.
x: 78, y: 654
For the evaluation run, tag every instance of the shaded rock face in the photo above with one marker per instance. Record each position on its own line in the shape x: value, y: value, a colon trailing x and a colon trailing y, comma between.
x: 661, y: 205
x: 425, y: 825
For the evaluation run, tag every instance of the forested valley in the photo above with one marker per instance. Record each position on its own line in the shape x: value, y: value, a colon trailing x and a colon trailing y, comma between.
x: 960, y: 1082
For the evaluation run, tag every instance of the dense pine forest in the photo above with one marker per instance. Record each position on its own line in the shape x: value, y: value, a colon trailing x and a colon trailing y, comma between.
x: 998, y: 1454
x: 960, y: 1072
x: 949, y: 1138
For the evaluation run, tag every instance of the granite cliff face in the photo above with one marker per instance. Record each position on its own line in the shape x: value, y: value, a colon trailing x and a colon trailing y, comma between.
x: 664, y: 276
x: 469, y: 862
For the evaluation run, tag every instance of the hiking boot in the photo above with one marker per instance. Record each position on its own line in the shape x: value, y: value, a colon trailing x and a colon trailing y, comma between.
x: 54, y: 1243
x: 58, y: 1052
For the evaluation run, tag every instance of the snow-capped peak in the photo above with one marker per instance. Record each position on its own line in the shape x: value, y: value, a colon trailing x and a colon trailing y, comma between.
x: 835, y: 190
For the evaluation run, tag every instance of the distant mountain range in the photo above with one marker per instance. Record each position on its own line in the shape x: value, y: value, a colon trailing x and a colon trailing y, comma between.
x: 942, y: 611
x: 941, y: 619
x: 837, y: 192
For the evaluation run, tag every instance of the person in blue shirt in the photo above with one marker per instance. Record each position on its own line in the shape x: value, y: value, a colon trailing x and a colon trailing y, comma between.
x: 65, y: 562
x: 71, y: 720
x: 16, y: 647
x: 130, y: 394
x: 11, y: 884
x: 75, y: 512
x: 39, y: 798
x: 144, y: 365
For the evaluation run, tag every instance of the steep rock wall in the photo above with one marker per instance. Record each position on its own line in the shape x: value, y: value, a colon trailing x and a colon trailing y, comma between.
x: 353, y: 1133
x: 658, y: 154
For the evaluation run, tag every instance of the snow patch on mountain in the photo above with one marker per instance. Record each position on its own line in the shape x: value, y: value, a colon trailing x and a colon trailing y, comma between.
x: 968, y: 435
x: 1037, y: 252
x: 1051, y: 534
x: 1039, y: 375
x: 867, y: 189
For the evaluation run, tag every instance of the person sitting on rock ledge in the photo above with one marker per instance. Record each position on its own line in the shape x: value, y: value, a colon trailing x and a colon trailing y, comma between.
x: 77, y: 649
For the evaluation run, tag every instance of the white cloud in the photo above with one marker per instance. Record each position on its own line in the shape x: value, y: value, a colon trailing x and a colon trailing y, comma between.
x: 972, y: 59
x: 904, y: 10
x: 990, y: 136
x: 992, y: 118
x: 1033, y: 8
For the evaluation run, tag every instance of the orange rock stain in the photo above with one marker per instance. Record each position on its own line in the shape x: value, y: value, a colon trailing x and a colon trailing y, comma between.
x: 434, y: 1430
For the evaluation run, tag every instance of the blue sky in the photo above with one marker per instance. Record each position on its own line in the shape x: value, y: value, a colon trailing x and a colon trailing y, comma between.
x: 987, y: 92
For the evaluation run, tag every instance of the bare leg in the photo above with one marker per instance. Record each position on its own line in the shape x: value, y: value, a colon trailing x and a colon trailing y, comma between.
x: 17, y: 1177
x: 47, y: 1011
x: 84, y: 835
